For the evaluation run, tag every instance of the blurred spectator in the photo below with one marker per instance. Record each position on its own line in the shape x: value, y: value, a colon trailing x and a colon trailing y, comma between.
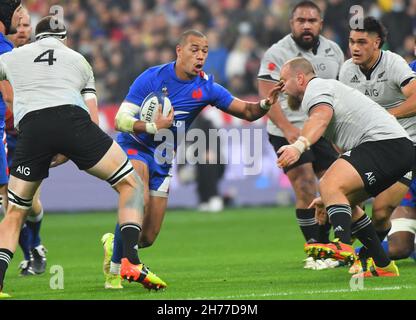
x: 268, y: 32
x: 408, y: 49
x: 411, y: 11
x: 243, y: 62
x: 398, y: 24
x: 217, y: 57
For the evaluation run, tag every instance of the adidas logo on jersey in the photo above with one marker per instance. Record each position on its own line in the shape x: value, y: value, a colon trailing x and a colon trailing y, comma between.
x: 338, y: 229
x: 355, y: 79
x: 409, y: 175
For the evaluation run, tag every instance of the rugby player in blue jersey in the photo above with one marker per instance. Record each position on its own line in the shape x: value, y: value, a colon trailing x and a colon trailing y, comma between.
x: 189, y: 90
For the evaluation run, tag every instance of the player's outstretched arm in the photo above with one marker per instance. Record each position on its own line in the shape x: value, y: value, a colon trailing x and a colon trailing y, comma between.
x: 276, y: 114
x: 252, y: 111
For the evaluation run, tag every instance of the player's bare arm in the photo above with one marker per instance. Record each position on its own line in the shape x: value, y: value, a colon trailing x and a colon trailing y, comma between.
x: 251, y: 111
x: 313, y: 129
x: 7, y: 93
x: 91, y: 102
x: 276, y: 114
x: 408, y: 107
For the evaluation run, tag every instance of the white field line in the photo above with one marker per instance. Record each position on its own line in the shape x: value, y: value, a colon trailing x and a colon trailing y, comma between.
x: 292, y: 293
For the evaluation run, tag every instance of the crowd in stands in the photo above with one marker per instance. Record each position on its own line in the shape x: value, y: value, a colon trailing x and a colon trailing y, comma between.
x: 121, y: 38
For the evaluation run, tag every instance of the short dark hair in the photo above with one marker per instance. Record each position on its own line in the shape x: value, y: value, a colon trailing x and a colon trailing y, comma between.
x: 50, y: 26
x: 372, y: 25
x: 191, y: 32
x: 7, y: 9
x: 306, y: 4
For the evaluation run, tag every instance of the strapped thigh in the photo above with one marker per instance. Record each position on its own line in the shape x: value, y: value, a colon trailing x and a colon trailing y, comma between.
x: 21, y: 203
x: 125, y: 169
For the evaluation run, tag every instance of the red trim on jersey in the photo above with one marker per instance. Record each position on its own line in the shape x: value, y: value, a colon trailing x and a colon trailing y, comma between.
x: 132, y: 152
x: 271, y: 66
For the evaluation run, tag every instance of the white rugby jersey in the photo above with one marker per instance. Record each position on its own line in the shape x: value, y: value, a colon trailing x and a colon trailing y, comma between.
x: 45, y: 74
x: 383, y: 83
x: 356, y: 117
x: 327, y: 62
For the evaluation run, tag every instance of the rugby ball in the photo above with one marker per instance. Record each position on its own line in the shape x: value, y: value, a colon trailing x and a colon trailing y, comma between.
x: 150, y: 105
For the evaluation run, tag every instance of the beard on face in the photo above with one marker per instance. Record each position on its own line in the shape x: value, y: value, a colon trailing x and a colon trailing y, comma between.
x: 306, y: 45
x: 294, y: 103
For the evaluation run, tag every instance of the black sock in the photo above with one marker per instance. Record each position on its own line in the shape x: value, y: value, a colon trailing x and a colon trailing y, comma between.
x: 5, y: 258
x: 340, y: 218
x: 323, y: 232
x: 130, y: 235
x: 308, y: 224
x: 363, y: 253
x: 364, y: 230
x: 383, y: 234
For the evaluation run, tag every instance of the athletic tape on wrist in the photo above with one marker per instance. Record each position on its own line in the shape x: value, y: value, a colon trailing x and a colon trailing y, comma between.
x: 151, y: 128
x: 264, y: 105
x: 305, y: 142
x: 299, y: 145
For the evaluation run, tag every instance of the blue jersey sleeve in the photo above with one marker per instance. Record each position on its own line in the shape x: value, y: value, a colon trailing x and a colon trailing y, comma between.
x: 221, y: 97
x: 140, y: 88
x: 5, y: 44
x: 413, y: 65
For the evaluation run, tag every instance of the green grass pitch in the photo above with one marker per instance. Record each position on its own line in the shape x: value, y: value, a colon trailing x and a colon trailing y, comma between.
x: 251, y: 254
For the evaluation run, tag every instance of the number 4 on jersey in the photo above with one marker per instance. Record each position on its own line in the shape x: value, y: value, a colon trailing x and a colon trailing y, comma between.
x: 50, y: 58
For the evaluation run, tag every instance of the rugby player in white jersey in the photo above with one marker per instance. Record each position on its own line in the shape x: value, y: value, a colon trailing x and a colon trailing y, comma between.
x: 284, y: 125
x: 377, y: 153
x: 53, y: 92
x: 386, y: 78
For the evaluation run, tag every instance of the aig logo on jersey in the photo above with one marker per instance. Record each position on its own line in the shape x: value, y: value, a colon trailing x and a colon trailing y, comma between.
x: 371, y: 92
x: 320, y: 67
x: 23, y: 170
x: 370, y: 178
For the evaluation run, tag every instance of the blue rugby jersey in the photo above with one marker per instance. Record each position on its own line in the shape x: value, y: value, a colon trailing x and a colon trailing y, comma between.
x: 5, y: 46
x: 188, y: 98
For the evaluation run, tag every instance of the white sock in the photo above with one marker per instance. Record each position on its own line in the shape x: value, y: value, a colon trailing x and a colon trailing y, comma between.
x: 115, y: 268
x: 37, y: 218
